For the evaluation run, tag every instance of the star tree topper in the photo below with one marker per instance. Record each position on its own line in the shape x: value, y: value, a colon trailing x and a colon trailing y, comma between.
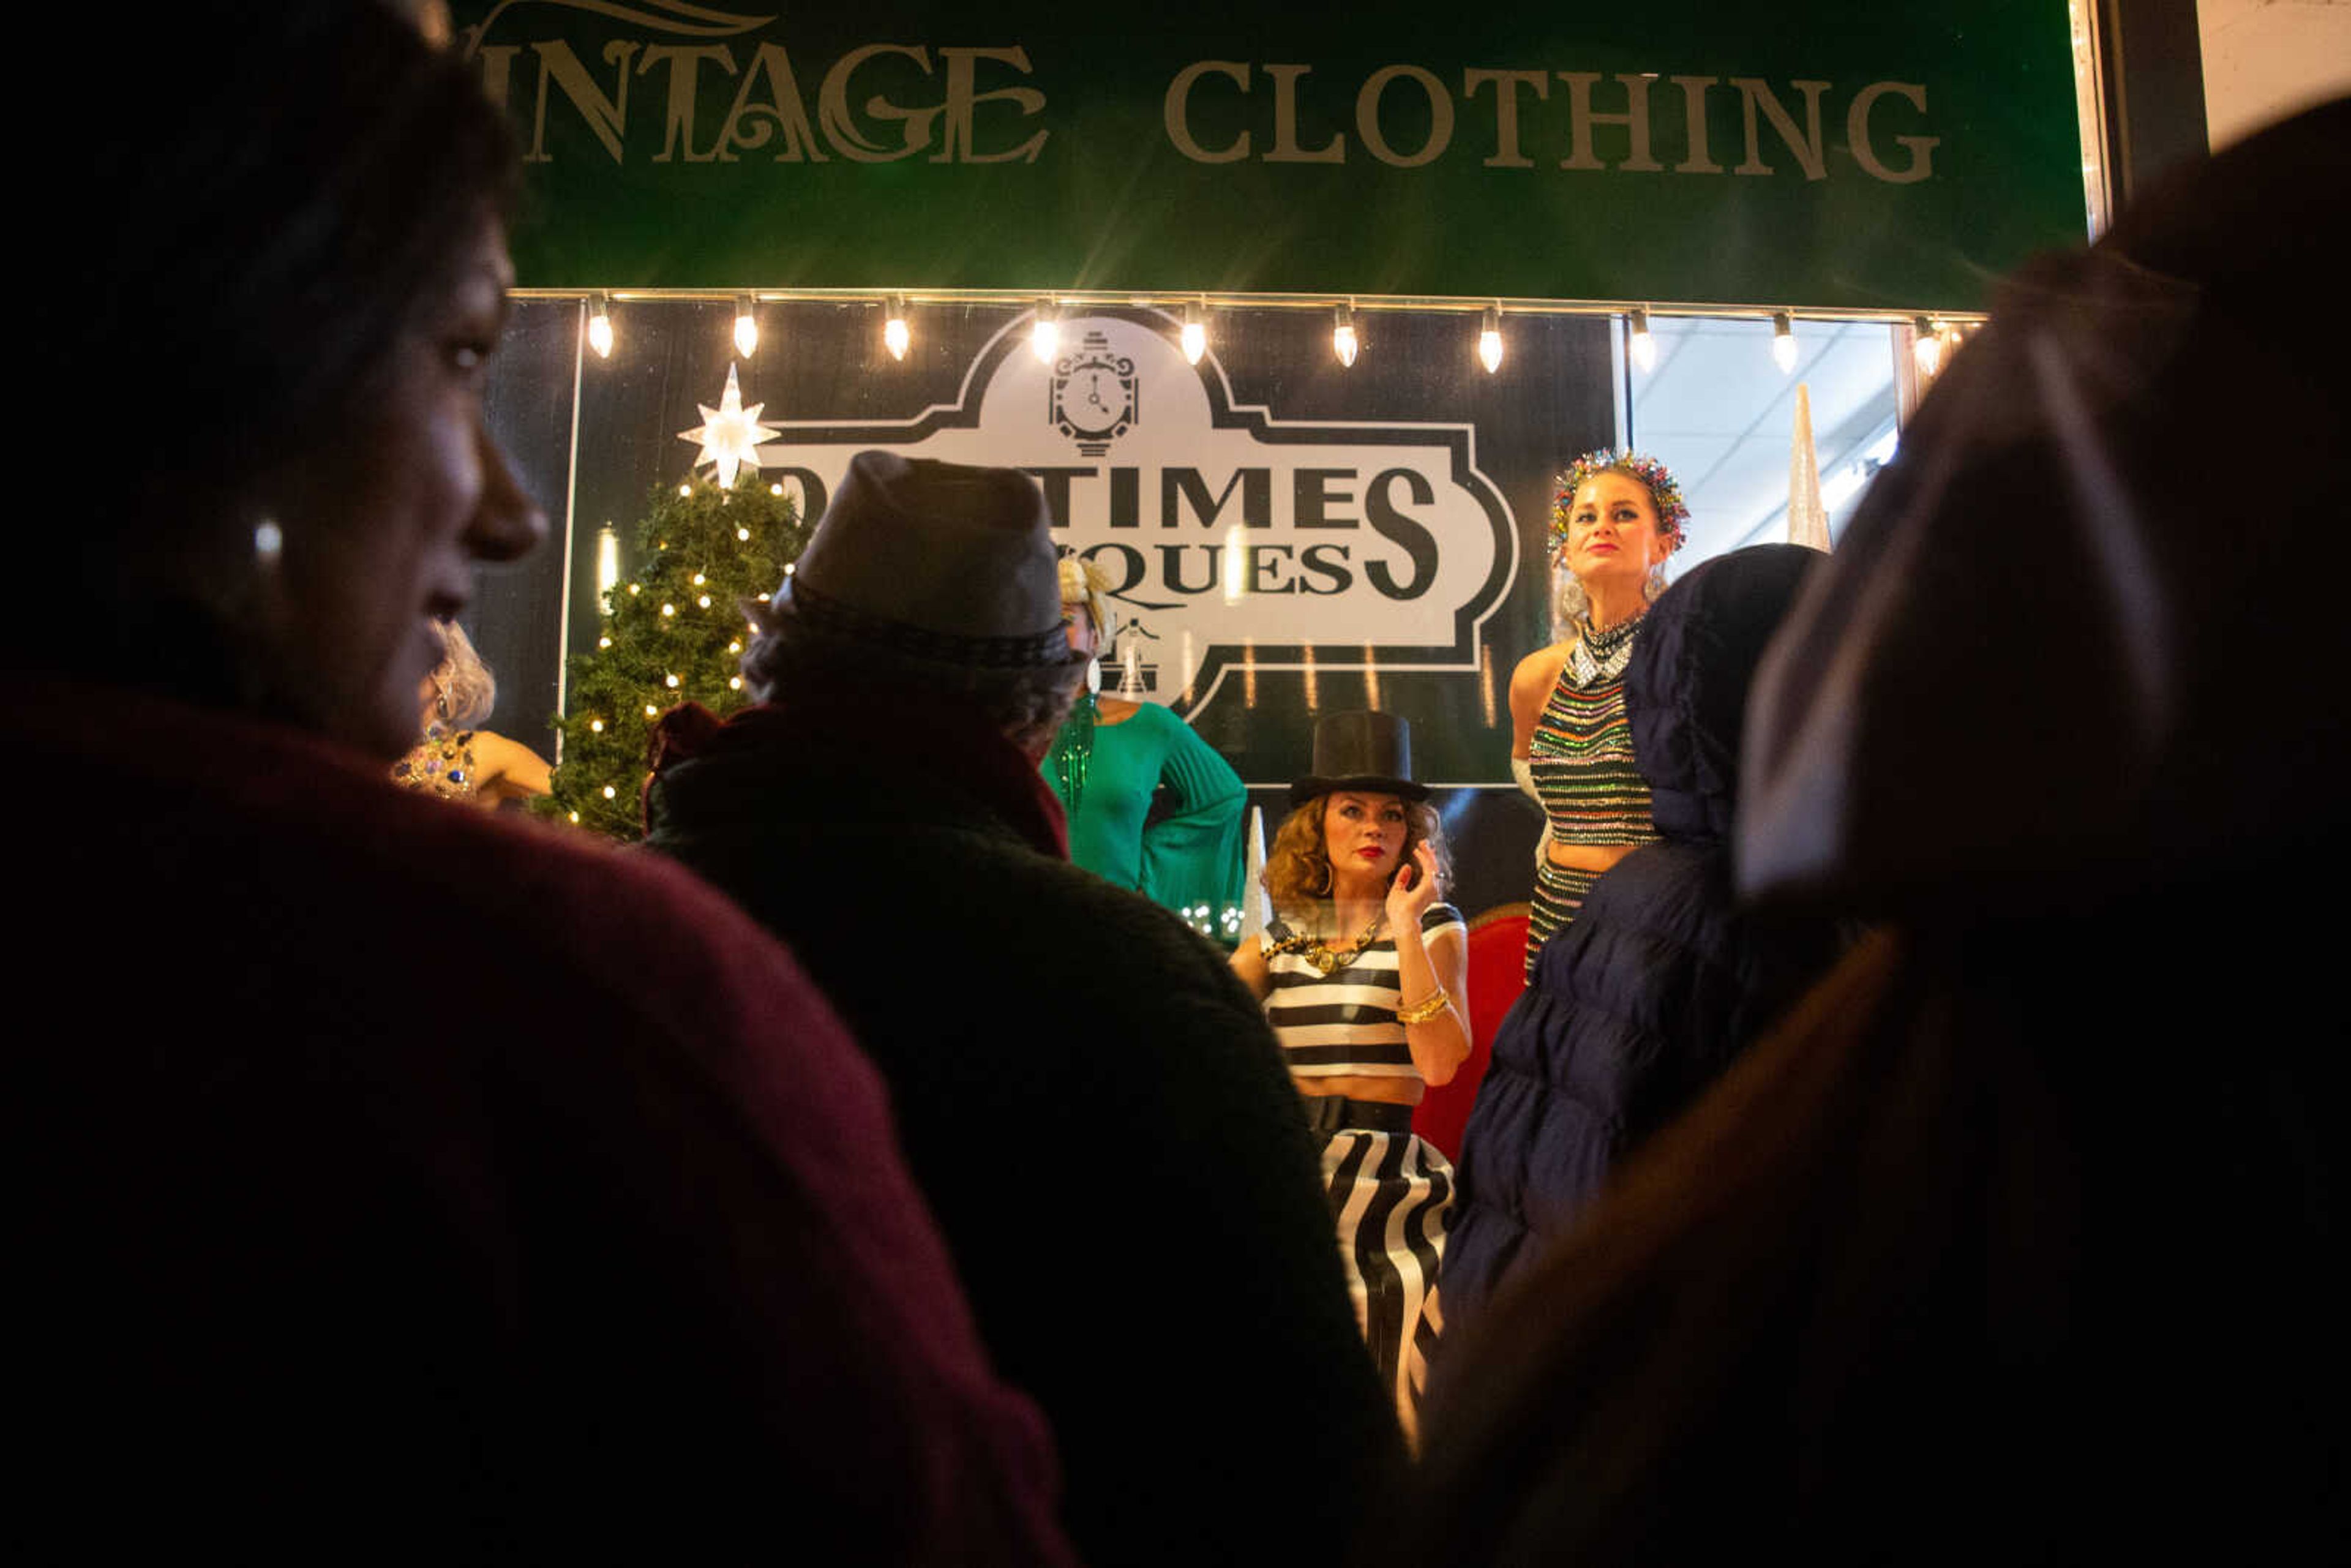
x: 730, y: 433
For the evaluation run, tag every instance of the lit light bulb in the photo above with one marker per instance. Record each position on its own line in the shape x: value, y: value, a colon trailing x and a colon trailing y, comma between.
x: 1783, y: 341
x: 603, y: 642
x: 1045, y: 337
x: 608, y: 558
x: 575, y: 816
x: 1926, y: 345
x: 596, y: 725
x: 1343, y: 341
x: 634, y: 589
x: 1194, y: 335
x: 734, y: 683
x: 735, y: 647
x: 1644, y: 347
x: 669, y: 609
x: 894, y: 336
x: 699, y: 580
x: 772, y: 490
x: 670, y: 681
x: 608, y: 792
x: 599, y: 325
x: 703, y: 601
x: 1490, y: 340
x: 652, y: 712
x: 746, y: 330
x: 686, y: 489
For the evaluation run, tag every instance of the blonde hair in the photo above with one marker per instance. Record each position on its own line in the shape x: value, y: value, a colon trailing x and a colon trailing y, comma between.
x: 1082, y: 583
x: 467, y: 691
x: 1298, y: 867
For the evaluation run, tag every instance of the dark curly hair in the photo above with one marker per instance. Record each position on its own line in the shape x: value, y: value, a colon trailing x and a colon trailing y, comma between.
x: 257, y: 255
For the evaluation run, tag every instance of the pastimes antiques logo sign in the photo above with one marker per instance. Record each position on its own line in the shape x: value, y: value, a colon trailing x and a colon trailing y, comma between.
x: 1861, y: 158
x: 1232, y: 539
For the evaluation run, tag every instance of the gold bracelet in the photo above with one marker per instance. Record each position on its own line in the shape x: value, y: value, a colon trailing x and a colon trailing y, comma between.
x: 1427, y: 1007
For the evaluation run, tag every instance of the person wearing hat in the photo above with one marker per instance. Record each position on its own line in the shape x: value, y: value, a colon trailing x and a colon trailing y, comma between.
x: 1093, y: 1106
x: 1364, y: 977
x: 1151, y: 805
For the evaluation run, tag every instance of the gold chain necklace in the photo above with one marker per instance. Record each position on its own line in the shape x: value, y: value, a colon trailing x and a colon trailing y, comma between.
x: 1326, y: 958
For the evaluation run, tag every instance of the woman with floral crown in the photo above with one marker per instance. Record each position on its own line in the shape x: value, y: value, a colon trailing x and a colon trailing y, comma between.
x: 1615, y: 519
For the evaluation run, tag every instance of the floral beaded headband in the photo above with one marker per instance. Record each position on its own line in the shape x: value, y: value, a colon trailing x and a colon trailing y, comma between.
x: 1664, y: 494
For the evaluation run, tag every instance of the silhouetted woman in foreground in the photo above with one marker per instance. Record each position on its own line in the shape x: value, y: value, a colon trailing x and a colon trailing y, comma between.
x: 2021, y: 1240
x: 398, y: 1183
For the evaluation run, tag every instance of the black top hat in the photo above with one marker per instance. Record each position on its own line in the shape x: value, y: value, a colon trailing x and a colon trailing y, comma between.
x: 1367, y: 751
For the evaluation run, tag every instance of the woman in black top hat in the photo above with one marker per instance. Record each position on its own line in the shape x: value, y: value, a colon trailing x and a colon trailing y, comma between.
x: 1365, y: 976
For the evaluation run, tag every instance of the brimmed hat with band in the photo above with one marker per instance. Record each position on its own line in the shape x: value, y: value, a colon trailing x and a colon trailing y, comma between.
x: 1369, y: 752
x: 941, y: 563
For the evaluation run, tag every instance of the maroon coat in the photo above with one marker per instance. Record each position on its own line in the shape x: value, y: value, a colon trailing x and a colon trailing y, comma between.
x: 401, y: 1179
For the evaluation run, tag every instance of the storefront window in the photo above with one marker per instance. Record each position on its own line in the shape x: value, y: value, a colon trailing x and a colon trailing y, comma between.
x: 1717, y: 408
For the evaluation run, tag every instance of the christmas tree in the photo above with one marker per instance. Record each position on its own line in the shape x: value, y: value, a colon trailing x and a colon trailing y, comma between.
x: 674, y: 632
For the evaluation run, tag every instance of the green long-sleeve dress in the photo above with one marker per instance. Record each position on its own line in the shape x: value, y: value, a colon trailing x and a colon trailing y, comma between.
x: 1188, y: 857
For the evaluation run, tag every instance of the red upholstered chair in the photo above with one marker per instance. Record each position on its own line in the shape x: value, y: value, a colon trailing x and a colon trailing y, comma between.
x: 1498, y: 958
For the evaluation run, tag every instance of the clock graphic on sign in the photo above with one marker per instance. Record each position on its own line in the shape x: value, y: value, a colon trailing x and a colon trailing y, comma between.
x: 1094, y: 394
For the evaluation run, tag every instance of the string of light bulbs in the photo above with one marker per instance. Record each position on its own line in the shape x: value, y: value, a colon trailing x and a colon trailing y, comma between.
x: 1933, y: 337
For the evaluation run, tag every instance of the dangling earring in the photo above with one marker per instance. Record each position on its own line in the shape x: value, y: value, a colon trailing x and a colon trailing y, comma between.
x: 1655, y: 583
x: 268, y: 546
x: 441, y: 704
x: 1093, y: 676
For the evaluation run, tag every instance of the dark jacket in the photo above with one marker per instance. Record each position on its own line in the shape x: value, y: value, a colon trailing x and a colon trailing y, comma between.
x: 2022, y: 1238
x: 401, y: 1183
x: 1663, y: 977
x: 1093, y: 1105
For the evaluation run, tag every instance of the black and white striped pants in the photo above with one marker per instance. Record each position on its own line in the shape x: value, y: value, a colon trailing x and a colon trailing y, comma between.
x: 1389, y: 1193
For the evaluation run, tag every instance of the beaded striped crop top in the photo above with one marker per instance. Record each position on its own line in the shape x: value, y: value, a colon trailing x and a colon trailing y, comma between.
x: 1582, y: 752
x: 1343, y: 1024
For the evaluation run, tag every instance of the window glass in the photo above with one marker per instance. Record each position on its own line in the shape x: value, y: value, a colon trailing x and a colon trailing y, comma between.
x: 1716, y: 409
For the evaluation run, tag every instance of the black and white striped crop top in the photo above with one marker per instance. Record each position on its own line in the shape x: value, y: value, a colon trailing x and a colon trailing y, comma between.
x: 1343, y: 1024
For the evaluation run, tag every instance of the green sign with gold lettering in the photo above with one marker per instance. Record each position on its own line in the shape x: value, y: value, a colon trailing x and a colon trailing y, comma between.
x: 1894, y: 157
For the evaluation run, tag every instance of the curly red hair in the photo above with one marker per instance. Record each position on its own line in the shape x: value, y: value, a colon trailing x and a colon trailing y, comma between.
x: 1298, y: 867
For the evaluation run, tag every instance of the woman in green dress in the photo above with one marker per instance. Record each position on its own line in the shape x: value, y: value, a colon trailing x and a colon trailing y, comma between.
x: 1151, y: 805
